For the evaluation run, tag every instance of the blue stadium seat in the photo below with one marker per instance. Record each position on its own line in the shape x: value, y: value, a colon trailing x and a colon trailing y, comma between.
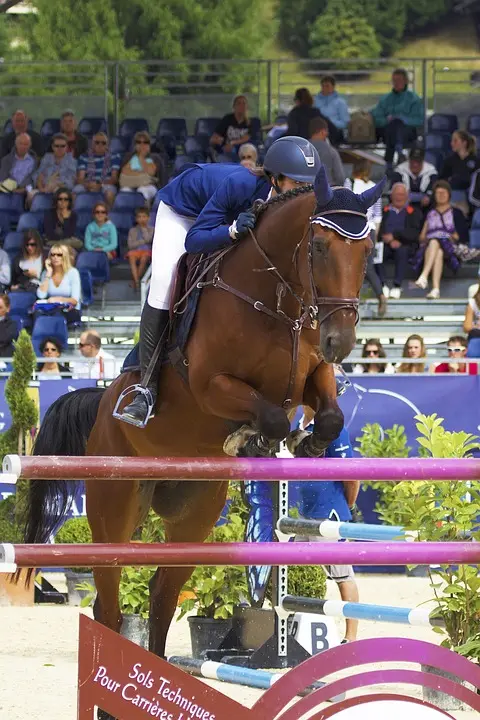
x: 6, y: 224
x: 206, y: 126
x: 13, y: 243
x: 128, y: 202
x: 86, y: 280
x: 12, y: 205
x: 7, y: 128
x: 97, y: 263
x: 256, y: 125
x: 90, y: 125
x: 473, y: 349
x: 86, y: 201
x: 123, y: 221
x: 432, y: 156
x: 130, y: 126
x: 169, y: 143
x: 180, y: 161
x: 442, y: 123
x: 437, y: 141
x: 20, y: 321
x: 31, y: 220
x: 49, y: 326
x: 474, y: 233
x: 41, y: 202
x: 119, y: 145
x: 175, y: 126
x: 50, y: 126
x: 22, y: 302
x: 473, y: 124
x: 194, y: 150
x: 83, y: 218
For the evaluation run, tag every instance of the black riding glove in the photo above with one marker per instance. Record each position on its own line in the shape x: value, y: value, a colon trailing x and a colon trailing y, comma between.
x: 244, y: 222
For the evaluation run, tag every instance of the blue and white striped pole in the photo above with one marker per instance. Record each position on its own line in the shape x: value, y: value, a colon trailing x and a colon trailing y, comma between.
x: 343, y: 530
x: 418, y: 617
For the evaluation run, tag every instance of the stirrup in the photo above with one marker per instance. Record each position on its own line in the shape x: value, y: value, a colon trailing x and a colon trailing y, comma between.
x: 130, y: 390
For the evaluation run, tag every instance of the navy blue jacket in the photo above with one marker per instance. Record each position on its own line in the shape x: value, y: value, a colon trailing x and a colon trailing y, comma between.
x: 215, y: 194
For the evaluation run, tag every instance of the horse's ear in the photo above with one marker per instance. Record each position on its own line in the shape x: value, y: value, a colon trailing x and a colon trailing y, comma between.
x: 323, y: 191
x: 370, y: 196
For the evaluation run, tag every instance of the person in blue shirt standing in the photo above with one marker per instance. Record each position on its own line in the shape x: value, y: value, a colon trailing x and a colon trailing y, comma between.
x: 207, y: 207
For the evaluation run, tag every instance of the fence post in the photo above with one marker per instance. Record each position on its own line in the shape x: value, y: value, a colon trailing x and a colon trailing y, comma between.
x: 269, y: 91
x: 425, y: 95
x: 116, y: 89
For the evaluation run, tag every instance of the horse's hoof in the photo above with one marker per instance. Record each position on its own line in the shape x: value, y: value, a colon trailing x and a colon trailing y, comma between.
x: 294, y: 439
x: 303, y: 444
x: 257, y: 447
x: 237, y: 440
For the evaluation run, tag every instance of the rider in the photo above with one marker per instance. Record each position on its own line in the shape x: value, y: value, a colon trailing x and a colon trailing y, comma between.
x: 206, y: 208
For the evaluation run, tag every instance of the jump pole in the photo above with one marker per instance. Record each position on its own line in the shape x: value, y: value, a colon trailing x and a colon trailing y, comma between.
x: 342, y: 530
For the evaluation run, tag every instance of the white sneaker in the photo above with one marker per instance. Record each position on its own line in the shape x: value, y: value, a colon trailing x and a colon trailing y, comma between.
x: 396, y: 293
x: 422, y: 282
x: 386, y: 291
x: 434, y: 294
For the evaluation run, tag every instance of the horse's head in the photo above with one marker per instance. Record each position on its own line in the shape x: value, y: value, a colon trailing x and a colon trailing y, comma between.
x: 340, y: 245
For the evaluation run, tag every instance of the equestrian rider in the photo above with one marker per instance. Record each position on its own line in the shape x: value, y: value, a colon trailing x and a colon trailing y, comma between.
x: 204, y: 209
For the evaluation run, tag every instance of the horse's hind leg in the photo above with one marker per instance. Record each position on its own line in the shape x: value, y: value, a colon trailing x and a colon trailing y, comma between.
x: 233, y: 399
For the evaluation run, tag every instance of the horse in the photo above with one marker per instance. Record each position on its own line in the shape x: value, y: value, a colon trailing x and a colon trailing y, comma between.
x: 275, y: 312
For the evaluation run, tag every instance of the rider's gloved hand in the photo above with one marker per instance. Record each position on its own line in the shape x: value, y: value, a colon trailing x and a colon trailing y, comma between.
x: 240, y: 227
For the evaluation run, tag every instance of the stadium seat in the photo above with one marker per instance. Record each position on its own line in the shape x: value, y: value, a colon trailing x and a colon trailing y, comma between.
x: 7, y: 128
x: 169, y: 143
x: 194, y: 150
x: 90, y: 125
x: 49, y: 326
x: 83, y: 218
x: 41, y: 202
x: 123, y: 221
x: 86, y: 280
x: 175, y: 126
x: 13, y: 243
x: 206, y: 126
x: 21, y: 304
x: 437, y: 141
x: 473, y: 349
x: 12, y: 205
x: 256, y: 136
x: 180, y: 161
x: 442, y: 123
x: 119, y: 145
x: 128, y: 202
x: 432, y: 156
x: 474, y: 234
x: 20, y: 321
x: 98, y: 266
x: 130, y: 126
x: 50, y: 126
x: 86, y: 201
x: 473, y: 124
x: 30, y: 220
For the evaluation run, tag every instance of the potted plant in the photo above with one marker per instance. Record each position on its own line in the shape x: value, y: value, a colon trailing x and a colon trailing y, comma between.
x: 11, y: 591
x: 79, y: 579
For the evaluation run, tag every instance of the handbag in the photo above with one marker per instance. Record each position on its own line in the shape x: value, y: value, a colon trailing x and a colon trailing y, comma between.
x: 135, y: 181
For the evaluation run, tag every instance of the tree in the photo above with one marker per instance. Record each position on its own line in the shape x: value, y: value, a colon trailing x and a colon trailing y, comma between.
x: 388, y: 18
x: 423, y: 13
x: 342, y: 32
x: 296, y: 20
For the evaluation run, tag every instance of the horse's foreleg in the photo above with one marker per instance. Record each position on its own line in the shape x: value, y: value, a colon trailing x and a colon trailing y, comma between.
x: 320, y: 395
x: 232, y: 399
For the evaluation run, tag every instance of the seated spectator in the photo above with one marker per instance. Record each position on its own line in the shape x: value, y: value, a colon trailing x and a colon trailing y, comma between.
x: 399, y: 231
x: 101, y: 233
x: 98, y: 170
x: 397, y: 116
x: 248, y: 155
x: 60, y: 282
x: 140, y: 169
x: 28, y: 265
x: 414, y: 349
x: 60, y: 223
x: 329, y: 156
x: 277, y: 130
x: 358, y: 183
x: 58, y: 169
x: 333, y: 108
x: 471, y: 322
x: 459, y: 166
x: 5, y: 271
x: 233, y: 130
x: 20, y: 127
x: 302, y: 114
x: 97, y: 363
x: 18, y: 167
x: 373, y: 349
x: 444, y: 227
x: 8, y: 328
x: 77, y: 144
x: 139, y: 242
x: 418, y: 177
x: 51, y: 348
x: 457, y: 349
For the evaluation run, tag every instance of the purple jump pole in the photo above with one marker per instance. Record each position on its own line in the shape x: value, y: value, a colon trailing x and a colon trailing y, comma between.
x: 172, y: 468
x: 183, y: 554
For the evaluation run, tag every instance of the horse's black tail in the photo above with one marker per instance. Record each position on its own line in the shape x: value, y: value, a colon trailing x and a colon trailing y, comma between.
x: 64, y: 431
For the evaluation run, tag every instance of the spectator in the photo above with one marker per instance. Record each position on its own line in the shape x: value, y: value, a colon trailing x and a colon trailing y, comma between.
x: 460, y: 165
x: 5, y: 271
x: 60, y: 281
x: 8, y: 328
x: 457, y: 349
x: 28, y: 264
x: 101, y: 233
x: 98, y: 170
x: 373, y: 349
x: 57, y: 169
x: 444, y: 227
x: 302, y: 114
x: 358, y: 183
x: 140, y: 170
x: 248, y: 155
x: 77, y: 144
x: 414, y: 349
x: 399, y: 231
x: 334, y: 108
x: 418, y: 177
x: 18, y: 167
x: 51, y: 348
x: 98, y: 364
x: 233, y: 130
x: 20, y: 127
x: 60, y: 222
x: 471, y: 322
x: 277, y: 130
x: 397, y: 116
x: 328, y: 155
x: 139, y: 243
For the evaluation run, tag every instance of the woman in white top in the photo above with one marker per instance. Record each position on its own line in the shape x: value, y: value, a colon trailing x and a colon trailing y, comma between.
x: 60, y: 282
x: 373, y: 350
x: 471, y: 322
x: 358, y: 183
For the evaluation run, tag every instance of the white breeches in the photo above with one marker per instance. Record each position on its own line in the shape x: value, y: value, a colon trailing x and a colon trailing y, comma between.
x: 168, y: 247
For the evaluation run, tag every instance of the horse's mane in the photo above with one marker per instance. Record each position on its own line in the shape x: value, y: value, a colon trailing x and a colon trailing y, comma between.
x: 260, y: 206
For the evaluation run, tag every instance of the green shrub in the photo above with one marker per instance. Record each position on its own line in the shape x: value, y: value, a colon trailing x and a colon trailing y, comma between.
x: 75, y: 531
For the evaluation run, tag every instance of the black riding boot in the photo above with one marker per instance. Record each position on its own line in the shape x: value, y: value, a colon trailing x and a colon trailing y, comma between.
x: 153, y: 329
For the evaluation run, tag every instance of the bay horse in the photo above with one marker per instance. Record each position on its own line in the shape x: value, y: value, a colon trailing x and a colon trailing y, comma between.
x: 293, y: 278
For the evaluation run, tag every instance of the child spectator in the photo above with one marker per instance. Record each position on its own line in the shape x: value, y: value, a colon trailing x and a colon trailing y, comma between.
x: 413, y: 349
x: 471, y: 323
x: 139, y: 246
x: 27, y: 266
x: 457, y: 350
x: 101, y: 233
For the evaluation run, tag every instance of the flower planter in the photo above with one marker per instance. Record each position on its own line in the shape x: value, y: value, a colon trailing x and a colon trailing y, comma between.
x: 207, y: 634
x: 73, y: 579
x: 16, y: 594
x: 136, y: 629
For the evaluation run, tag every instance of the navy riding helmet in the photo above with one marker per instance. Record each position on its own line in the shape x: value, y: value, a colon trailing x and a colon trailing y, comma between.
x: 293, y: 157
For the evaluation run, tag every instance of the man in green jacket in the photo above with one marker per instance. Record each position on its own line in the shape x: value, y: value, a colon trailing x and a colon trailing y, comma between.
x: 397, y: 116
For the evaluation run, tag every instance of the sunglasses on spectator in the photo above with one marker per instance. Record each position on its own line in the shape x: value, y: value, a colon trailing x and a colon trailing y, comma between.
x: 455, y: 349
x: 372, y: 352
x: 59, y: 254
x: 63, y: 198
x: 60, y: 146
x: 50, y: 349
x: 100, y: 212
x: 31, y: 244
x: 142, y: 142
x: 99, y: 142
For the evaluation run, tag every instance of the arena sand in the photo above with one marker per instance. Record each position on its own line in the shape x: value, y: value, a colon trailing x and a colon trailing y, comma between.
x: 38, y: 649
